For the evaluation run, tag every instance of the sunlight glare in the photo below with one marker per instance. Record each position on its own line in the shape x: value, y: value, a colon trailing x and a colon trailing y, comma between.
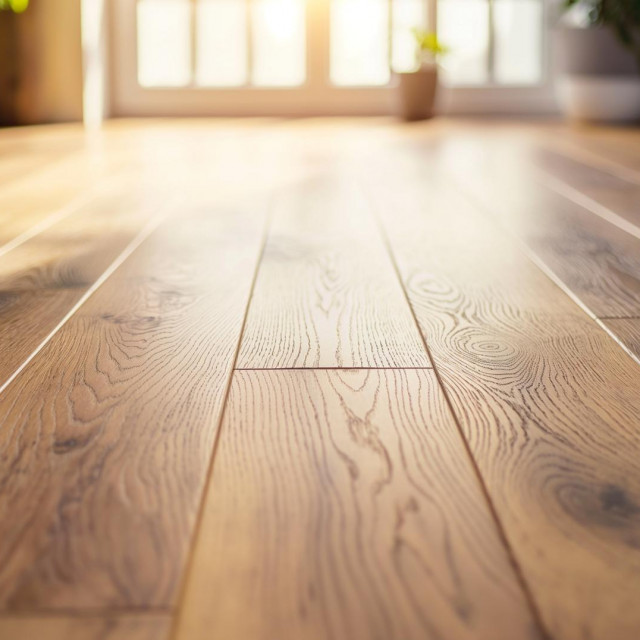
x: 279, y: 42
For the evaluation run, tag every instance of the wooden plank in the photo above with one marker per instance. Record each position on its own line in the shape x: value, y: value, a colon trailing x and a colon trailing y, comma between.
x: 106, y: 436
x: 25, y: 152
x: 31, y: 205
x: 42, y: 279
x: 326, y: 294
x: 627, y: 330
x: 107, y: 627
x: 616, y: 146
x: 16, y: 166
x: 343, y: 505
x: 598, y: 262
x: 614, y: 193
x: 549, y: 403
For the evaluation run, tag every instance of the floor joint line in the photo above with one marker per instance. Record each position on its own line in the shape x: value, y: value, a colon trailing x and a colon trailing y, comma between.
x: 519, y: 574
x: 426, y: 368
x: 197, y: 527
x: 139, y: 238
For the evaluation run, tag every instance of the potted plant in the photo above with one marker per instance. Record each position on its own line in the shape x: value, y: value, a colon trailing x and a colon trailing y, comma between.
x: 598, y: 48
x: 417, y: 88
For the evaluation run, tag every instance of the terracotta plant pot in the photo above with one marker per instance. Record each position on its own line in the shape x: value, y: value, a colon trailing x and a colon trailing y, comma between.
x: 417, y: 93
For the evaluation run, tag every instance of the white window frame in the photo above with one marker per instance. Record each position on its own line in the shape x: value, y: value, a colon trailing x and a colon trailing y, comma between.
x: 317, y: 96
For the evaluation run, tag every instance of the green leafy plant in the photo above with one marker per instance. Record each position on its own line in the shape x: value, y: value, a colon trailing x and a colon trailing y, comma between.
x: 429, y: 49
x: 622, y: 16
x: 17, y: 6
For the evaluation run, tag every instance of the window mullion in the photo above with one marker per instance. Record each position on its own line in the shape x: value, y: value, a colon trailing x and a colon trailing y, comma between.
x: 249, y: 27
x: 432, y: 15
x: 390, y: 34
x: 491, y: 45
x: 193, y: 35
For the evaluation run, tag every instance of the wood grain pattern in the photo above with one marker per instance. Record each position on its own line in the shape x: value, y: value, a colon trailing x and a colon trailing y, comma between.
x: 326, y: 294
x: 21, y: 212
x: 617, y: 146
x: 107, y: 627
x: 343, y: 505
x: 627, y: 330
x: 31, y: 152
x: 606, y: 189
x: 549, y: 404
x: 43, y: 278
x: 106, y: 436
x: 34, y: 203
x: 598, y: 262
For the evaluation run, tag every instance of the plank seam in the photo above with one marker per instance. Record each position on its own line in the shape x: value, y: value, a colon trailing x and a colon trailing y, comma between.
x: 502, y: 535
x: 178, y: 606
x: 142, y: 235
x: 427, y: 368
x: 542, y: 265
x: 588, y: 203
x: 571, y: 150
x: 634, y: 356
x: 56, y: 216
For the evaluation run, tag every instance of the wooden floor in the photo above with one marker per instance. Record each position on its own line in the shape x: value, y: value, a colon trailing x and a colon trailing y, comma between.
x: 320, y: 380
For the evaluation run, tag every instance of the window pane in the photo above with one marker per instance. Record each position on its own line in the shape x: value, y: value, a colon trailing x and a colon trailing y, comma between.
x: 359, y: 42
x: 407, y: 15
x: 463, y: 25
x: 279, y: 41
x: 221, y: 31
x: 164, y: 49
x: 518, y: 41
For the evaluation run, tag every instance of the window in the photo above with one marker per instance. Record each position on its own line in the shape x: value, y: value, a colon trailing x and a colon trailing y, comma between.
x: 220, y: 43
x: 492, y: 41
x: 322, y: 53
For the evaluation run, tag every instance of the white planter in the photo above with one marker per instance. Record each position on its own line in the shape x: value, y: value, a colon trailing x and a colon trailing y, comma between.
x: 600, y: 98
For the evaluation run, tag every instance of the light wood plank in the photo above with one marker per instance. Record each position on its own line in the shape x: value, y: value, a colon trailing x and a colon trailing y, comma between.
x: 627, y: 330
x: 616, y: 146
x: 15, y: 166
x: 106, y: 436
x: 326, y: 294
x: 606, y: 189
x: 108, y: 627
x: 549, y: 404
x: 35, y: 202
x: 598, y: 262
x: 26, y: 151
x: 343, y: 505
x: 42, y: 279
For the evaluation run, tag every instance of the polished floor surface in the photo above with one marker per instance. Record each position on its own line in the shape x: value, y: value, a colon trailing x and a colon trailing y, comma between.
x: 320, y: 380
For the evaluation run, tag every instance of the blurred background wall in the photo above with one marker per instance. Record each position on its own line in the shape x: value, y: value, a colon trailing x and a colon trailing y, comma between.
x: 41, y: 66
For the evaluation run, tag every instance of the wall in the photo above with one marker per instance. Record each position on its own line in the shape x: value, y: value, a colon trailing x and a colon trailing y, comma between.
x: 51, y: 78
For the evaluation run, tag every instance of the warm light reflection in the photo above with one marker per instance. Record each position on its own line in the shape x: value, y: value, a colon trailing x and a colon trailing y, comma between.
x: 279, y: 42
x: 359, y: 42
x: 281, y: 18
x: 264, y: 42
x: 221, y: 39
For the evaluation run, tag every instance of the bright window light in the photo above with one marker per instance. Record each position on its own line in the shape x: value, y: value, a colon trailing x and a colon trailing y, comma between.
x: 164, y: 43
x: 239, y: 43
x: 406, y: 15
x: 518, y: 41
x: 279, y: 42
x: 221, y: 37
x: 359, y: 42
x: 464, y: 26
